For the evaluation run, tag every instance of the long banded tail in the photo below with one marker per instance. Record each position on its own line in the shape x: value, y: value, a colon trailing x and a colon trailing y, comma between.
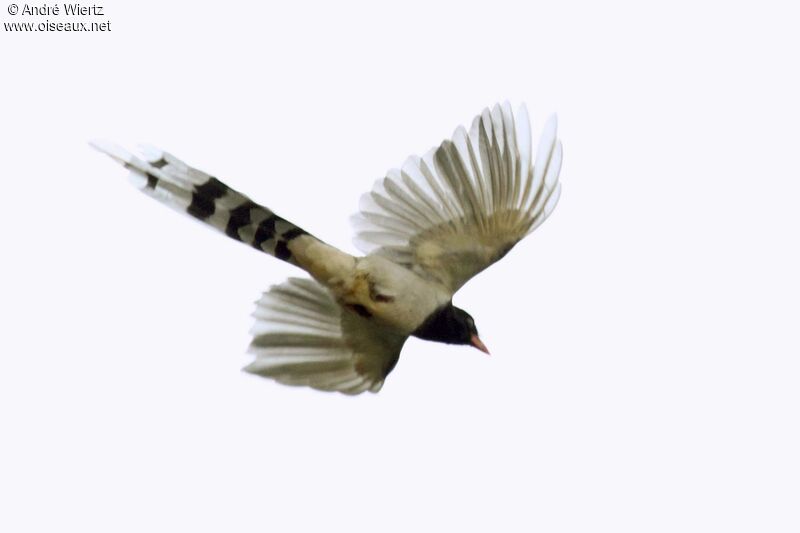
x: 183, y: 188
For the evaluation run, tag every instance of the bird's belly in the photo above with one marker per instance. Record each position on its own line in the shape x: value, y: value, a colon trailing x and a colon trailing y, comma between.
x: 390, y: 294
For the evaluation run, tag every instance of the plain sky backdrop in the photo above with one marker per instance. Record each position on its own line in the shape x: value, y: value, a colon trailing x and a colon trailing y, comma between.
x: 646, y: 361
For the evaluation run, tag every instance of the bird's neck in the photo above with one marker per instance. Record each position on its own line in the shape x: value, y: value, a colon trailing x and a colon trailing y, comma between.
x: 440, y: 326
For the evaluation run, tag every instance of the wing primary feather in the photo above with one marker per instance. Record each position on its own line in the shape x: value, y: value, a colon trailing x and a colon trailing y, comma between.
x: 512, y: 156
x: 551, y: 167
x: 471, y: 171
x: 303, y: 337
x: 523, y: 130
x: 450, y: 212
x: 552, y: 201
x: 498, y: 146
x: 543, y: 154
x: 388, y: 223
x: 395, y: 191
x: 460, y: 207
x: 391, y: 207
x: 480, y: 178
x: 449, y: 165
x: 431, y: 212
x: 487, y: 154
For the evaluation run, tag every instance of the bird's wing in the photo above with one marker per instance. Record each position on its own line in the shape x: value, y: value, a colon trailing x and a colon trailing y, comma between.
x: 466, y: 203
x: 303, y: 337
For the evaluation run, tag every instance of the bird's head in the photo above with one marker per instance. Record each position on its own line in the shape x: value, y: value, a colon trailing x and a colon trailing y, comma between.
x: 451, y: 325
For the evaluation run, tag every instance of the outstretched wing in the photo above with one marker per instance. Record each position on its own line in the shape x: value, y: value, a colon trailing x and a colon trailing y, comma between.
x: 303, y: 337
x: 465, y: 204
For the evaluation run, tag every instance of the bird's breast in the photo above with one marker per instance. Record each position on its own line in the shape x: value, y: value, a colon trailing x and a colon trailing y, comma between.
x: 390, y: 294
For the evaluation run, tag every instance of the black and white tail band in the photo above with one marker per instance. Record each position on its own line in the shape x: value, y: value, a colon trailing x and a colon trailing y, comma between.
x: 183, y: 188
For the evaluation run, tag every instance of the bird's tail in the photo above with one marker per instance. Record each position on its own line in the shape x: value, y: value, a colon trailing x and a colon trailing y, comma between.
x: 183, y: 188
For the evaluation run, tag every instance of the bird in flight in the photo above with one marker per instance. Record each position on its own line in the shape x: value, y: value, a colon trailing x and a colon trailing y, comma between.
x: 426, y: 229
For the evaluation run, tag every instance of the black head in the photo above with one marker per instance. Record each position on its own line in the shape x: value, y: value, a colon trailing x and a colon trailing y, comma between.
x: 450, y: 325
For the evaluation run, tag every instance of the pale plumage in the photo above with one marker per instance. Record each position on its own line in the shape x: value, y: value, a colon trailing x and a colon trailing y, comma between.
x: 454, y: 212
x: 303, y: 337
x: 427, y: 228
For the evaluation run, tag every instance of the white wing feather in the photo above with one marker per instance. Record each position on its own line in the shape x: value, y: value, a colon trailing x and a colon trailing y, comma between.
x: 465, y: 204
x: 303, y: 337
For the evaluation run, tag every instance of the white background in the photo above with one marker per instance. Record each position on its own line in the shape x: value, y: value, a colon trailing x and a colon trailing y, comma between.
x: 645, y: 347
